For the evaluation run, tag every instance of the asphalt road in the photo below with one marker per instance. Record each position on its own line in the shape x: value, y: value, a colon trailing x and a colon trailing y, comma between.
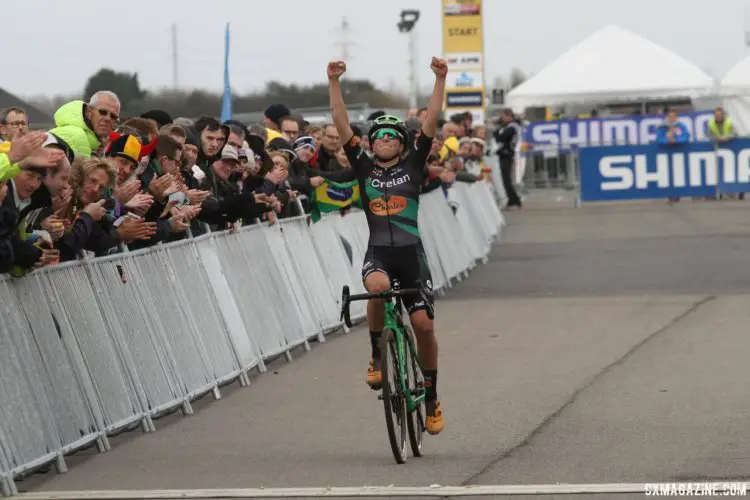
x: 599, y: 344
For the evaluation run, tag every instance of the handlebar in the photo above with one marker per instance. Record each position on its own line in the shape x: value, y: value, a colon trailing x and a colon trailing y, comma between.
x: 347, y: 299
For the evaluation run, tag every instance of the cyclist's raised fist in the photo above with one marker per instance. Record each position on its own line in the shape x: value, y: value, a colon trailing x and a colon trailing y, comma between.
x: 439, y: 66
x: 336, y: 69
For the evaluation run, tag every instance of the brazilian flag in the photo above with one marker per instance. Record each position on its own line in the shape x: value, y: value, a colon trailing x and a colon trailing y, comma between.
x: 333, y: 196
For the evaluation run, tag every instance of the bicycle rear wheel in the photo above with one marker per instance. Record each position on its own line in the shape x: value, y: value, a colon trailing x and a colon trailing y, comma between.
x: 415, y: 384
x: 394, y: 401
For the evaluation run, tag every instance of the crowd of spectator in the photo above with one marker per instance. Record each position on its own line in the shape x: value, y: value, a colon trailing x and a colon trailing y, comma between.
x: 97, y: 181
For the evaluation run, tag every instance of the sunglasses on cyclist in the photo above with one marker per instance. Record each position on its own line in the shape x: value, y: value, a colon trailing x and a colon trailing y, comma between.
x: 387, y: 132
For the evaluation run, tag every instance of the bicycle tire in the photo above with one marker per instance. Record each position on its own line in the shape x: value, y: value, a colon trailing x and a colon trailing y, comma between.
x: 345, y: 314
x: 394, y: 402
x: 415, y: 383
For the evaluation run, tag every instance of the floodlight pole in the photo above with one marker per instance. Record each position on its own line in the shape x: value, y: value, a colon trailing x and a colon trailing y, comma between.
x: 406, y: 25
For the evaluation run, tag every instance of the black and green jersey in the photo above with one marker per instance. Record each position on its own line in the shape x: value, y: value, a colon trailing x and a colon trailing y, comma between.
x: 390, y: 196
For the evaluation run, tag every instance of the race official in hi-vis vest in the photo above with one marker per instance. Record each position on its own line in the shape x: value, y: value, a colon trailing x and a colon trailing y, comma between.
x: 721, y: 128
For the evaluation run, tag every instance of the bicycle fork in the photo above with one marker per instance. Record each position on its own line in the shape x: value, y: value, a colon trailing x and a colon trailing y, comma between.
x: 416, y: 395
x: 413, y: 396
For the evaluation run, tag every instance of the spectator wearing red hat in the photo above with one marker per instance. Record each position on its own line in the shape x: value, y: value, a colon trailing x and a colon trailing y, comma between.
x: 126, y: 151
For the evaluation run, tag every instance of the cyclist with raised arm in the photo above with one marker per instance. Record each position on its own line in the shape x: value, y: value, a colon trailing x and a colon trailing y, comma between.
x: 390, y: 184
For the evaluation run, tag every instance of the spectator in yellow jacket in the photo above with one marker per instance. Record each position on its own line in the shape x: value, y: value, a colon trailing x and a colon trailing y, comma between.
x: 86, y: 126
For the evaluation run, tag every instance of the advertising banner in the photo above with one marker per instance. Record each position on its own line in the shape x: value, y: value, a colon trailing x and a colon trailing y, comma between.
x: 464, y: 61
x: 463, y: 79
x: 463, y: 99
x: 664, y: 170
x: 463, y: 50
x: 462, y: 33
x: 616, y: 130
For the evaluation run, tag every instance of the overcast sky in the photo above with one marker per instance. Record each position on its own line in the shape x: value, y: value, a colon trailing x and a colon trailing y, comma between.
x: 52, y: 46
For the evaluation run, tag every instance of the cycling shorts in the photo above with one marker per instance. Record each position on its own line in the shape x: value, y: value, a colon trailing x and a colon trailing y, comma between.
x: 407, y: 264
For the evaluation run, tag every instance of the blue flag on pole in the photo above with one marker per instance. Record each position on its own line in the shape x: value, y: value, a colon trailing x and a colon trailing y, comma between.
x: 226, y: 103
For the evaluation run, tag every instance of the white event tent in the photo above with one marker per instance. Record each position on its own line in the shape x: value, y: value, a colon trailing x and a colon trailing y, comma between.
x: 735, y: 95
x: 737, y: 80
x: 612, y: 65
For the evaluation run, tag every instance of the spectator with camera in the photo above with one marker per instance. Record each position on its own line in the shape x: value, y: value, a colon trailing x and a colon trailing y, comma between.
x: 281, y: 195
x: 302, y: 176
x: 228, y: 202
x: 172, y: 208
x: 92, y: 228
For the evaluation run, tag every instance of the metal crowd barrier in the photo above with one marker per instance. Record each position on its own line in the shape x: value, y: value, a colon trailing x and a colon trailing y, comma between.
x: 92, y: 348
x: 552, y: 168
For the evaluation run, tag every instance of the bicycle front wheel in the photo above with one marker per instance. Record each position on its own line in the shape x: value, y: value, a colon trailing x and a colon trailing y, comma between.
x: 394, y: 401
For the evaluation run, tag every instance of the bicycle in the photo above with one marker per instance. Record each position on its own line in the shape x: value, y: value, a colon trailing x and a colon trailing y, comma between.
x: 404, y: 396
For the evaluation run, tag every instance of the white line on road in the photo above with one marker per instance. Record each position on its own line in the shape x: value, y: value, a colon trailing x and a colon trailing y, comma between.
x: 361, y: 491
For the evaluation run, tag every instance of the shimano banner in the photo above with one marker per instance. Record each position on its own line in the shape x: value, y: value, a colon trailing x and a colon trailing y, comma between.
x: 621, y: 130
x: 662, y: 171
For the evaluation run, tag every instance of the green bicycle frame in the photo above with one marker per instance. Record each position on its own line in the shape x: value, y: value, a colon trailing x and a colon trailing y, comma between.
x: 393, y: 322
